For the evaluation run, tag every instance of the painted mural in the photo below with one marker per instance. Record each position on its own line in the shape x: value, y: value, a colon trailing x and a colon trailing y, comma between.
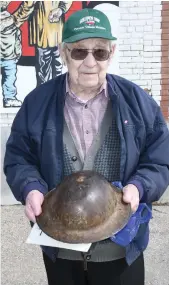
x: 30, y: 33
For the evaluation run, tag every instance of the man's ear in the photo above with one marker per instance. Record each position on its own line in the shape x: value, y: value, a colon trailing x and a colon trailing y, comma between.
x: 113, y: 48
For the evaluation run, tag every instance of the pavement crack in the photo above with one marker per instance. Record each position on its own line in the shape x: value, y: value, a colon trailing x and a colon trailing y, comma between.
x: 159, y: 211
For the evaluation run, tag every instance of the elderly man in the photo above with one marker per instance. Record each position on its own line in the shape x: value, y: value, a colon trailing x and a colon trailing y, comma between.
x: 88, y: 119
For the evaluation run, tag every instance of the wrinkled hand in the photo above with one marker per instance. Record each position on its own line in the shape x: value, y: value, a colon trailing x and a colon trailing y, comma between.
x: 54, y: 15
x: 131, y: 195
x: 33, y: 205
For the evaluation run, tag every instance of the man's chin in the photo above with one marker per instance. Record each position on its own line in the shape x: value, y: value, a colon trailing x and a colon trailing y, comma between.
x: 89, y: 83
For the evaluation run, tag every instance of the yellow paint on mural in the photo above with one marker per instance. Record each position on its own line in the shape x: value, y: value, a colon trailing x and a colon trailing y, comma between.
x: 45, y: 24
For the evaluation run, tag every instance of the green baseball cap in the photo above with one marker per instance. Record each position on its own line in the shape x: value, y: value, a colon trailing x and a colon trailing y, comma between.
x: 87, y: 23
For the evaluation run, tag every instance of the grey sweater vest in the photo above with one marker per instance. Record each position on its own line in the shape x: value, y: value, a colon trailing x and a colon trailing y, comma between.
x: 103, y: 157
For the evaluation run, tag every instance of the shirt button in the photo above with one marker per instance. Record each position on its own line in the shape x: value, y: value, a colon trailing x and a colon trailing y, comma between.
x: 87, y: 132
x: 74, y: 158
x: 86, y: 106
x: 88, y: 257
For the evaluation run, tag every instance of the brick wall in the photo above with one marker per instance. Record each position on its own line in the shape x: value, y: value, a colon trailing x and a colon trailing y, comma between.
x: 6, y: 119
x: 165, y: 60
x: 140, y: 44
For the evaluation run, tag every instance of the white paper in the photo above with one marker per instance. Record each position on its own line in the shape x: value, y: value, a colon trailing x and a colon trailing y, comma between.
x: 38, y: 237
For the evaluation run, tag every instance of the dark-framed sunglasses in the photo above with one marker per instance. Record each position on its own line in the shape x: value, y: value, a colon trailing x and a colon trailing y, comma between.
x: 80, y: 54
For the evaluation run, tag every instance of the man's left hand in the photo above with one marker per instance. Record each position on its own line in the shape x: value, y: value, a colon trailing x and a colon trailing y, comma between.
x: 131, y: 195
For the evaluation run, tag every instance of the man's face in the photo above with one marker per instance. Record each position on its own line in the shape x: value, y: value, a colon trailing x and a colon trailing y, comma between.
x: 89, y: 72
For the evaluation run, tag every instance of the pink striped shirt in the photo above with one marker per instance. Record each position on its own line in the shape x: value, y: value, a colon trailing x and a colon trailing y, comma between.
x: 84, y: 118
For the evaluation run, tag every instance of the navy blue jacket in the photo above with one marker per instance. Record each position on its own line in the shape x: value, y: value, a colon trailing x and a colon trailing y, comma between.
x: 34, y: 151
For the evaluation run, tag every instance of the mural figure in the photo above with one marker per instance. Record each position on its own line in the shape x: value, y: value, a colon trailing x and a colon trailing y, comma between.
x: 45, y: 30
x: 30, y: 33
x: 10, y: 52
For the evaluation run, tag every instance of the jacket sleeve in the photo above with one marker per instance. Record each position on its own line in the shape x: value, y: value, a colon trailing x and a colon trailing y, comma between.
x: 21, y: 162
x: 152, y: 174
x: 23, y: 12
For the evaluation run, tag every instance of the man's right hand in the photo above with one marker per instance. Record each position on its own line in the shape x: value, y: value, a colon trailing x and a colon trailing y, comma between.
x: 33, y: 205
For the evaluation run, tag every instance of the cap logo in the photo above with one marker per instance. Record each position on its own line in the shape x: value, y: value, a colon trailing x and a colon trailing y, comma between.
x: 89, y: 20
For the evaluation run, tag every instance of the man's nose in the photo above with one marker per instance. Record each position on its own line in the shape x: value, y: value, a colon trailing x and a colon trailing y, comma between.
x: 90, y: 60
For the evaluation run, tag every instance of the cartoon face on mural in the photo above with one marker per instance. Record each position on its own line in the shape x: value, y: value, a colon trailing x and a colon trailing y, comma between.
x: 34, y: 26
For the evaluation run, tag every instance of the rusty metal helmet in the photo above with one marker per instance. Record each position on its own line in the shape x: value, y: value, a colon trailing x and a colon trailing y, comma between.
x: 83, y: 208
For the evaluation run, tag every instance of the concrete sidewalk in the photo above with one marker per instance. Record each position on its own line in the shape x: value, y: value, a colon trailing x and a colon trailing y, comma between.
x: 22, y: 263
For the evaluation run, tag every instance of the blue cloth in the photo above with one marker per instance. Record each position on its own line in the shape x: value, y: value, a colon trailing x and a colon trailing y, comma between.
x: 33, y: 158
x: 126, y: 235
x: 8, y: 69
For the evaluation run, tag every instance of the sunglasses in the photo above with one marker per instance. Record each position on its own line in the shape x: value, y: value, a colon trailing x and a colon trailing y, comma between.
x: 81, y: 54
